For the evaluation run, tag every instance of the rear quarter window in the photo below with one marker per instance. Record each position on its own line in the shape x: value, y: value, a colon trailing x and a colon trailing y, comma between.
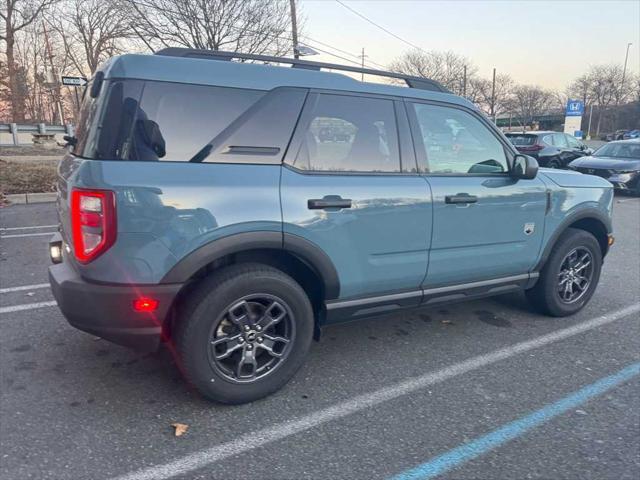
x: 152, y: 121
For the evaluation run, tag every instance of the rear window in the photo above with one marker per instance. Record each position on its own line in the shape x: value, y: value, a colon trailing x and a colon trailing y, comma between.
x: 153, y: 121
x: 521, y: 140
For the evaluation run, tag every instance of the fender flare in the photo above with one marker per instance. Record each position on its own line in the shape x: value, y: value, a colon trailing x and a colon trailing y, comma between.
x: 589, y: 213
x: 307, y: 251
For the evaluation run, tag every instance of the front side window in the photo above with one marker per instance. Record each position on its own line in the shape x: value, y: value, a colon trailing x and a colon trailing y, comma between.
x: 455, y: 142
x: 350, y: 134
x: 560, y: 140
x: 573, y: 143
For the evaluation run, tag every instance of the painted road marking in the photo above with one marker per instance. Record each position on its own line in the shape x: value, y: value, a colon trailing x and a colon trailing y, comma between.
x: 27, y: 235
x: 24, y: 287
x: 27, y: 306
x: 462, y: 454
x: 258, y: 438
x: 8, y: 229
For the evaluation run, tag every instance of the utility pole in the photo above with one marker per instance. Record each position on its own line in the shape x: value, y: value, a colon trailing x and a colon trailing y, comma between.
x: 294, y: 28
x: 464, y: 82
x: 493, y: 96
x: 589, y: 127
x: 362, y: 57
x: 624, y: 70
x: 55, y: 88
x: 621, y: 90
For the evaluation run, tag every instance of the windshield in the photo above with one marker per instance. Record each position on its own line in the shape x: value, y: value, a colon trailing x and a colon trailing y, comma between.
x: 620, y: 150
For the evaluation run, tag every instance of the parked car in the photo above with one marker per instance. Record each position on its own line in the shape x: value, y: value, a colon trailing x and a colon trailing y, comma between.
x: 618, y: 162
x: 631, y: 134
x: 550, y: 149
x: 189, y: 216
x: 617, y: 135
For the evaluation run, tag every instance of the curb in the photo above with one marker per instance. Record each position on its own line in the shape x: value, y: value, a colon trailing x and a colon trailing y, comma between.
x: 27, y: 198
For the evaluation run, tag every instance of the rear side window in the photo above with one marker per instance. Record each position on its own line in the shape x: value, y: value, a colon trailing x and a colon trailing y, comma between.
x: 349, y: 134
x: 164, y: 121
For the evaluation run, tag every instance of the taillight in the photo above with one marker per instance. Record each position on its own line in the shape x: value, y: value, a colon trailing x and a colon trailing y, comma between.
x: 93, y: 222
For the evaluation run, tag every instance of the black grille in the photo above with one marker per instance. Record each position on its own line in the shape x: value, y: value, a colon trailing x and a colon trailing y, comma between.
x: 600, y: 172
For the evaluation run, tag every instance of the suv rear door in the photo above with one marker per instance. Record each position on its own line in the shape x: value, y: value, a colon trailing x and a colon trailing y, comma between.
x: 486, y: 225
x: 350, y: 185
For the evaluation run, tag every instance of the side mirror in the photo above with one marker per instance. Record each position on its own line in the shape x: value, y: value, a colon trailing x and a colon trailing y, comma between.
x: 524, y: 167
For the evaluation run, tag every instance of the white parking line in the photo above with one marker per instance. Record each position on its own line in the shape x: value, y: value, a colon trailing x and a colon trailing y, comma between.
x: 27, y: 235
x: 279, y: 431
x: 8, y: 229
x: 24, y: 287
x: 27, y: 306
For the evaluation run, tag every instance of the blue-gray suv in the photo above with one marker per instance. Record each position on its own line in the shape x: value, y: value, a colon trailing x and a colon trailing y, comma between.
x: 231, y: 209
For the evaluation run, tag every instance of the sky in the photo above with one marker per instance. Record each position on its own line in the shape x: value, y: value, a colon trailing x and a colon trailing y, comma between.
x: 545, y: 43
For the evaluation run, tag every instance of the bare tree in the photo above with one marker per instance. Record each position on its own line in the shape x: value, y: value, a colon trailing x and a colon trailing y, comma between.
x: 528, y: 102
x: 580, y: 89
x: 605, y: 89
x: 90, y: 31
x: 16, y: 15
x: 249, y: 26
x: 494, y: 102
x: 444, y: 67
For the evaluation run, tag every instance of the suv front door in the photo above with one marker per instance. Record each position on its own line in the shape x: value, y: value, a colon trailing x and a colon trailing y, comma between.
x: 486, y: 224
x: 350, y: 186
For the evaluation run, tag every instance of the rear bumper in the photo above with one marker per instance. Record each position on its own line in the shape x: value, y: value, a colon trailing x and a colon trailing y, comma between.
x: 107, y: 310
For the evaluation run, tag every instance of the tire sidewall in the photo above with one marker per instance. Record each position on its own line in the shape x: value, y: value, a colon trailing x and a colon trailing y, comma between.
x: 196, y: 344
x: 554, y: 163
x: 572, y: 239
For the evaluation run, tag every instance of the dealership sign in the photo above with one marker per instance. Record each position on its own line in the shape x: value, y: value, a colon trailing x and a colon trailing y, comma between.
x: 573, y: 118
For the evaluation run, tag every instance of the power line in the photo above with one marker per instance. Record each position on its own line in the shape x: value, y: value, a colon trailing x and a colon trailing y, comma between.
x: 379, y: 26
x: 289, y: 38
x: 370, y: 62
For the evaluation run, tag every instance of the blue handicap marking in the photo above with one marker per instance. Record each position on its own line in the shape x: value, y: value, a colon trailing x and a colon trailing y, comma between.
x: 468, y: 451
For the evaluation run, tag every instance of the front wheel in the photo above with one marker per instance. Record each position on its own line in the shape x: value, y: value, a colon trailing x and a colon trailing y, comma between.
x: 570, y: 276
x: 554, y: 163
x: 244, y: 332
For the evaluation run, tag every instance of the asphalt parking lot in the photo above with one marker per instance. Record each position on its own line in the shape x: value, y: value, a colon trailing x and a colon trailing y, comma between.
x: 529, y: 396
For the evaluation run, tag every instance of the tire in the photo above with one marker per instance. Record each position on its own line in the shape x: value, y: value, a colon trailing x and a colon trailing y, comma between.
x: 545, y: 295
x: 554, y: 163
x: 220, y: 309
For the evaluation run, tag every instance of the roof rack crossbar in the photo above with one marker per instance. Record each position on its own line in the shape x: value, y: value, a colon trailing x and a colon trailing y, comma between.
x: 411, y: 81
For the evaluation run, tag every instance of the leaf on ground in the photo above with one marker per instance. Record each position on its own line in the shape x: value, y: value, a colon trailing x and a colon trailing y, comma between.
x: 180, y: 429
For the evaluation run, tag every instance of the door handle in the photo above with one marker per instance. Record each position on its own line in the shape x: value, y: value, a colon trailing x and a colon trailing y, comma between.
x: 328, y: 202
x: 460, y: 198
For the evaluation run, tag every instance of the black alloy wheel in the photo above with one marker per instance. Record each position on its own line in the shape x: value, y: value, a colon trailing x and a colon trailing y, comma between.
x: 252, y: 338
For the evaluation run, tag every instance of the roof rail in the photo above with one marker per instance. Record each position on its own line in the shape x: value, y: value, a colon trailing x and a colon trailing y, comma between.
x: 413, y: 82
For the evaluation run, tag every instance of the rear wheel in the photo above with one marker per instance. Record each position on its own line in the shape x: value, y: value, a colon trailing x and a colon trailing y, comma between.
x: 244, y: 333
x: 570, y: 276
